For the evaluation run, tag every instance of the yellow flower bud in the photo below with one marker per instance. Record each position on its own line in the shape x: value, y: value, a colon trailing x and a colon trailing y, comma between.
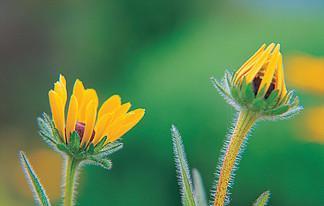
x: 264, y: 70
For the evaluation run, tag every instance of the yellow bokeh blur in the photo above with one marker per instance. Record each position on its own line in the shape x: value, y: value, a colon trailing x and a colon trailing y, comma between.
x: 303, y: 72
x: 46, y: 163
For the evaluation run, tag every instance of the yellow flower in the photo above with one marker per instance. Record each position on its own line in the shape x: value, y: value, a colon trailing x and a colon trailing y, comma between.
x: 264, y: 70
x: 112, y: 120
x: 306, y: 72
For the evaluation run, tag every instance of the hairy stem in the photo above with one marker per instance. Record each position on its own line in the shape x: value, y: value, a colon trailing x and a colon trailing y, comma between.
x: 245, y: 121
x: 70, y: 176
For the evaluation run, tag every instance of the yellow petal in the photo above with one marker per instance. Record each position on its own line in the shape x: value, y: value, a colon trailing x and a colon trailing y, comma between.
x: 62, y: 80
x: 122, y: 110
x: 111, y: 104
x: 60, y: 89
x: 129, y: 122
x: 281, y: 79
x: 57, y: 112
x: 88, y: 96
x: 247, y: 65
x: 259, y: 63
x: 117, y: 117
x: 101, y: 126
x: 91, y: 113
x: 71, y: 117
x: 78, y: 90
x: 270, y: 70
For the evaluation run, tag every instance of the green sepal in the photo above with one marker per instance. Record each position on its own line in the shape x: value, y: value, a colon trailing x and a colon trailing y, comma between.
x: 258, y: 104
x: 63, y: 148
x: 109, y: 149
x: 39, y: 193
x: 47, y: 130
x: 91, y: 148
x: 278, y: 111
x: 235, y: 93
x: 260, y: 94
x: 100, y: 144
x: 74, y: 143
x: 248, y: 93
x: 242, y: 90
x: 272, y: 100
x: 104, y: 163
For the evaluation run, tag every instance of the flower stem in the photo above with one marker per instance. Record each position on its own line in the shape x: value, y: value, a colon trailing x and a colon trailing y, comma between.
x: 70, y: 175
x: 244, y: 122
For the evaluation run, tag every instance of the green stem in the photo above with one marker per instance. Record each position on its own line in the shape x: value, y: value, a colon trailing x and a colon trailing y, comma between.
x: 70, y: 175
x: 245, y: 121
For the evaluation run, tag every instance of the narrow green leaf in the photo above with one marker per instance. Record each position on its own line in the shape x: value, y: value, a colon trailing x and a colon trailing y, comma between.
x: 262, y: 199
x: 199, y: 189
x: 185, y: 181
x: 34, y: 183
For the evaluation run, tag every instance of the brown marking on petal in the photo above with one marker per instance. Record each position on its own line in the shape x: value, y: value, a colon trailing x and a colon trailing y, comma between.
x: 256, y: 84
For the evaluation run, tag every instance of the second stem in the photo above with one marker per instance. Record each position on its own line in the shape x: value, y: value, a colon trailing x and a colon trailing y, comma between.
x: 70, y: 176
x: 245, y: 121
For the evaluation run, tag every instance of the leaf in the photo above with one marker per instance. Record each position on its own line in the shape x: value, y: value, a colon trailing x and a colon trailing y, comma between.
x: 185, y: 182
x: 262, y: 199
x: 199, y: 188
x: 34, y: 183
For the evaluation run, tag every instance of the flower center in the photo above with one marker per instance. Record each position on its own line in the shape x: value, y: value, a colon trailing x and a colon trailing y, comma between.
x: 80, y: 127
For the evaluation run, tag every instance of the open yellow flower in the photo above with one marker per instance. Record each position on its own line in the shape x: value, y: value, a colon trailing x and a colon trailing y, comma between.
x: 264, y: 69
x: 112, y: 120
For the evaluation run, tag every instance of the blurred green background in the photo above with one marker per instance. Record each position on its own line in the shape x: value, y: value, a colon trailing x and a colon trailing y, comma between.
x: 159, y: 55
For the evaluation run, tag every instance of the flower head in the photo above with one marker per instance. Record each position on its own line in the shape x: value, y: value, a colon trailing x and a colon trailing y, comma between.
x: 259, y: 85
x: 81, y: 129
x: 264, y: 70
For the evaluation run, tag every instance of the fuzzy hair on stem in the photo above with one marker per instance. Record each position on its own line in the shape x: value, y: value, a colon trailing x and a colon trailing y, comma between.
x: 70, y: 183
x: 230, y: 156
